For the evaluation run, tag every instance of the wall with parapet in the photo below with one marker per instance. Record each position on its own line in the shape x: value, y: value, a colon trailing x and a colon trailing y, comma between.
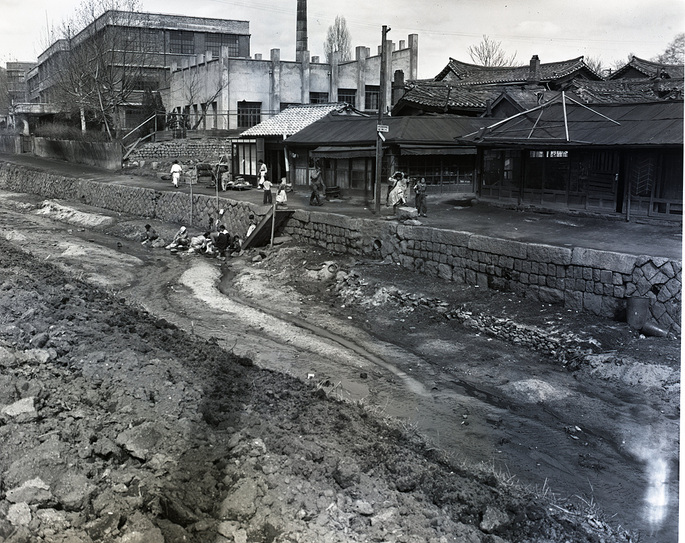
x: 10, y: 144
x: 103, y: 155
x: 582, y: 279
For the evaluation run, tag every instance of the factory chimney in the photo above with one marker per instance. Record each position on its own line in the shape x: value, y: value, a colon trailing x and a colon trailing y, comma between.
x: 301, y: 36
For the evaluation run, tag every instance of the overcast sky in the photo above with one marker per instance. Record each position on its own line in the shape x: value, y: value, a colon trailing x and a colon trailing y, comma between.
x: 555, y: 30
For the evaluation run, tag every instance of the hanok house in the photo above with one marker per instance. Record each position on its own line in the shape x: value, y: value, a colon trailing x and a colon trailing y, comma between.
x: 468, y: 89
x: 265, y: 141
x: 614, y: 158
x: 422, y: 146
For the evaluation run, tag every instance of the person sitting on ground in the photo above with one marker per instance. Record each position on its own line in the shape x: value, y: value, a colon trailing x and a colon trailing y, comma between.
x: 180, y: 240
x: 222, y: 241
x: 251, y: 228
x: 198, y: 243
x: 236, y: 246
x: 281, y: 195
x: 149, y: 235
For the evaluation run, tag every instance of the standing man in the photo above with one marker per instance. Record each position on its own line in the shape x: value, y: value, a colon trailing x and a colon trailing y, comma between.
x: 266, y: 184
x: 262, y: 171
x: 176, y: 171
x: 420, y: 190
x: 316, y: 182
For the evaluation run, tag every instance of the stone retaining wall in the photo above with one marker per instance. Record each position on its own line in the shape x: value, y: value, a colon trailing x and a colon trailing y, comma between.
x: 202, y: 149
x: 172, y: 207
x: 582, y: 279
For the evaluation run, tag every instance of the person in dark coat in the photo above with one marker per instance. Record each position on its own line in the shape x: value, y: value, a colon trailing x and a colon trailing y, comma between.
x: 222, y: 241
x: 420, y: 191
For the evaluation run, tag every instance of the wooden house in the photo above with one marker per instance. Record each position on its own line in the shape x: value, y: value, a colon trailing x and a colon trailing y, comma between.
x: 422, y: 146
x: 622, y: 159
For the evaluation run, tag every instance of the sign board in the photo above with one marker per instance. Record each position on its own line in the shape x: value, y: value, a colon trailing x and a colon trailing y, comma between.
x: 382, y: 128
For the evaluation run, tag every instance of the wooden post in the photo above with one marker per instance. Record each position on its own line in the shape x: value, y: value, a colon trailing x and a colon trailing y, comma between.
x: 381, y: 108
x: 273, y: 223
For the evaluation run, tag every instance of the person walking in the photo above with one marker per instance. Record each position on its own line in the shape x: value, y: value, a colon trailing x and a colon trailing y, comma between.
x: 176, y: 171
x: 420, y: 191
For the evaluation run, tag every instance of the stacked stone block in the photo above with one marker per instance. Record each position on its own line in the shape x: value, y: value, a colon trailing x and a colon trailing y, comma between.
x: 580, y: 278
x: 204, y: 149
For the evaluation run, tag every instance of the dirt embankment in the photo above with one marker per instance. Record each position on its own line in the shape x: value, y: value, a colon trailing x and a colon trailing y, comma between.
x: 118, y: 426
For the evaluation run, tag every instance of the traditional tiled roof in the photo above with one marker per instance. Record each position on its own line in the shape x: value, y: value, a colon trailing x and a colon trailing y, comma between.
x: 296, y: 117
x: 462, y: 73
x: 444, y: 97
x: 650, y: 69
x: 626, y: 91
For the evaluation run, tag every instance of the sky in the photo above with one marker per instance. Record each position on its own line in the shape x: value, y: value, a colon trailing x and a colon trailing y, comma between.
x: 555, y: 30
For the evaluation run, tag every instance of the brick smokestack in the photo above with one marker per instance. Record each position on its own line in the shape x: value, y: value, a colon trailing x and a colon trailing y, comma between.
x: 301, y: 36
x: 534, y: 70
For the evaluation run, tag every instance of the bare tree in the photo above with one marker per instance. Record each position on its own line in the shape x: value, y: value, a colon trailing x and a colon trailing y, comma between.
x: 202, y: 88
x: 595, y: 64
x: 100, y: 60
x: 338, y: 39
x: 674, y: 52
x: 490, y: 53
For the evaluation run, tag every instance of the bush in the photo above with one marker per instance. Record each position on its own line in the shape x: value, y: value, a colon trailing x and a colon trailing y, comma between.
x: 64, y: 132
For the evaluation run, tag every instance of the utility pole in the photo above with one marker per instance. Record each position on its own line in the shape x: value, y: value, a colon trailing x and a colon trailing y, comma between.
x: 381, y: 108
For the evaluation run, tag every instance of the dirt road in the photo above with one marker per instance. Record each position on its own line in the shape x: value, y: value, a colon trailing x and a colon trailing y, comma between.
x: 581, y: 410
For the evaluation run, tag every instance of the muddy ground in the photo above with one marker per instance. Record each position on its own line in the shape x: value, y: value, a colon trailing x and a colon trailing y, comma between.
x: 294, y: 395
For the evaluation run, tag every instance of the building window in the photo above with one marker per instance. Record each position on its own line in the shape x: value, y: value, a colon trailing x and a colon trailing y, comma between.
x: 249, y: 114
x: 318, y: 97
x: 286, y: 105
x: 143, y: 84
x: 181, y: 42
x: 347, y: 95
x: 214, y: 43
x: 372, y: 96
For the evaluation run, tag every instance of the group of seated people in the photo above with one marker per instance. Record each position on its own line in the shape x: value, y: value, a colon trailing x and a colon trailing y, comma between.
x: 219, y: 243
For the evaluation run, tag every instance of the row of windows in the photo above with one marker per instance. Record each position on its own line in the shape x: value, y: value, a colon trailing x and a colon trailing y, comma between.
x: 182, y: 42
x: 371, y: 97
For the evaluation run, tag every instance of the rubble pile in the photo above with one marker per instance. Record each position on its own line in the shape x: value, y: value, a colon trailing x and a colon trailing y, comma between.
x: 120, y: 427
x: 567, y: 348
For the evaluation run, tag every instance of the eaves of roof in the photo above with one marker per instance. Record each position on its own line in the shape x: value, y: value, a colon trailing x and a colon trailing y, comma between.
x: 649, y: 68
x: 646, y: 124
x: 294, y: 118
x: 471, y: 74
x: 428, y: 129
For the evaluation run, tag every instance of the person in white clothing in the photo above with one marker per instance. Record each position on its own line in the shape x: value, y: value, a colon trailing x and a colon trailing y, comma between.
x: 263, y: 170
x: 176, y: 171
